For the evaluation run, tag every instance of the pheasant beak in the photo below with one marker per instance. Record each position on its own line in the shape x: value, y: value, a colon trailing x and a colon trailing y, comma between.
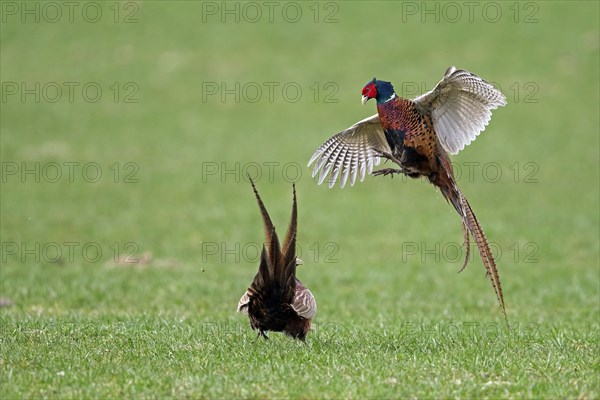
x: 364, y: 100
x: 299, y: 261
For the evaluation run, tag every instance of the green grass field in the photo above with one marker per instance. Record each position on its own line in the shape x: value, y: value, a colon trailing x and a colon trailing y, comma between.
x: 127, y: 130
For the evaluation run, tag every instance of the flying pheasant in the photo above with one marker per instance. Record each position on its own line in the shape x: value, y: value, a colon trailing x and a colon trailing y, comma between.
x: 277, y: 300
x: 417, y: 135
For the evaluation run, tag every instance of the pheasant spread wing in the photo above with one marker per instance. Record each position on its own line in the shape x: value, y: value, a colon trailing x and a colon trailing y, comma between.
x: 461, y: 106
x: 351, y: 153
x: 243, y: 304
x: 304, y: 302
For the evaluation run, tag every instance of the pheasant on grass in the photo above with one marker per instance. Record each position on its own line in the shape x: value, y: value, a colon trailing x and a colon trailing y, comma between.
x: 277, y: 300
x: 417, y: 135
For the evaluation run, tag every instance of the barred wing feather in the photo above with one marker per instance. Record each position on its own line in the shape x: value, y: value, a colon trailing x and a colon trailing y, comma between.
x: 461, y: 106
x: 351, y: 153
x: 243, y: 303
x: 304, y: 302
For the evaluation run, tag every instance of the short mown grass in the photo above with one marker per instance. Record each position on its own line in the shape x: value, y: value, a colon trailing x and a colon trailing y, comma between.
x: 395, y: 319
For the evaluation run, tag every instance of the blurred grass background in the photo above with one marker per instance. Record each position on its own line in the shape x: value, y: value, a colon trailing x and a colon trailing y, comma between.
x: 543, y: 55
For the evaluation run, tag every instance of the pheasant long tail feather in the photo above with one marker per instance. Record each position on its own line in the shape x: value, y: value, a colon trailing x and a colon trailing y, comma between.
x: 467, y: 244
x: 271, y: 267
x: 289, y: 252
x: 289, y: 243
x: 268, y: 224
x: 277, y: 268
x: 262, y: 280
x: 484, y: 252
x: 447, y: 185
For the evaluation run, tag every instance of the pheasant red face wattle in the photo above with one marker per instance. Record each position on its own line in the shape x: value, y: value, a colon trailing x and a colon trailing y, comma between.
x: 418, y: 135
x: 369, y: 92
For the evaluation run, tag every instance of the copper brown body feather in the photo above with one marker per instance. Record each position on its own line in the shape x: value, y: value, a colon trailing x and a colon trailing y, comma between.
x: 277, y: 300
x: 418, y: 135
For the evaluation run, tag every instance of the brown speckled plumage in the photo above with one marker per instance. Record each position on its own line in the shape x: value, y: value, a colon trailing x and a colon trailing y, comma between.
x: 417, y: 135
